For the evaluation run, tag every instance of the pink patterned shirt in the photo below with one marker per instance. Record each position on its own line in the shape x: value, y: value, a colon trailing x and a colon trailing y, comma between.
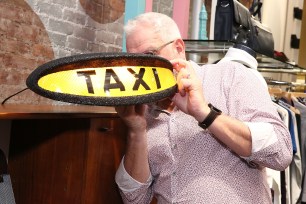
x: 188, y: 165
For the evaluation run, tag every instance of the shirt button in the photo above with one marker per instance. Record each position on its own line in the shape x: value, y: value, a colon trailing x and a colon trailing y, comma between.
x: 174, y: 146
x: 174, y: 173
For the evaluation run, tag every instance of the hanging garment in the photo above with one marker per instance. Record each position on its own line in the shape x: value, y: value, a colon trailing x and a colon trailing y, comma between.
x: 302, y: 108
x: 296, y: 164
x: 243, y: 57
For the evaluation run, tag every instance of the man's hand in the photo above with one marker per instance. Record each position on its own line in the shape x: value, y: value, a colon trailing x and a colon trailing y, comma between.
x: 133, y: 117
x: 190, y: 98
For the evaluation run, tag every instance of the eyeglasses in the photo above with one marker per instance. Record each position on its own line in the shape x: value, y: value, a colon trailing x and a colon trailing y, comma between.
x: 157, y: 50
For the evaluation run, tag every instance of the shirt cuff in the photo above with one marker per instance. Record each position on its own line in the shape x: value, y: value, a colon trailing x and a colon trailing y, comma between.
x: 126, y: 183
x: 263, y: 135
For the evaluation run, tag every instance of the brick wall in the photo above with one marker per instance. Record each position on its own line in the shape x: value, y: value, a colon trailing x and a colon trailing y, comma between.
x: 33, y: 32
x: 163, y: 6
x: 24, y: 46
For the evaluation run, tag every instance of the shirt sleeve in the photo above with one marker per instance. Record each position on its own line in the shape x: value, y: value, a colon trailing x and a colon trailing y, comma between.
x: 248, y: 100
x: 126, y: 183
x: 132, y: 191
x: 263, y: 135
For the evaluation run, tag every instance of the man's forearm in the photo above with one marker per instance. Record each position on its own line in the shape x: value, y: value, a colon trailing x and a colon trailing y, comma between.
x: 136, y: 157
x: 233, y: 133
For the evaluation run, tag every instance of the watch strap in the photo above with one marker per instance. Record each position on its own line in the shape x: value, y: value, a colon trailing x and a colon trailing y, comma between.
x: 213, y: 114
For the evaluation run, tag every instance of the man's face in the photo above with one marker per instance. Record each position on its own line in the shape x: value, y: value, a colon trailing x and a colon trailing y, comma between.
x: 144, y: 40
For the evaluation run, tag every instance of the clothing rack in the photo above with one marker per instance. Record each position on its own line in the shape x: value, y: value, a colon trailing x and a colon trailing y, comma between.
x: 289, y: 86
x: 292, y: 185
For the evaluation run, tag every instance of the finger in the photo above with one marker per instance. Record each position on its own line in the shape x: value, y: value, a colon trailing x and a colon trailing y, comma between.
x: 140, y: 109
x: 182, y: 74
x: 178, y: 64
x: 181, y: 89
x: 184, y: 86
x: 185, y: 73
x: 125, y: 110
x: 119, y: 109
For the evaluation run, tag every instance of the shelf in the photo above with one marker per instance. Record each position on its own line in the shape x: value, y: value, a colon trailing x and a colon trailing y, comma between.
x: 210, y: 51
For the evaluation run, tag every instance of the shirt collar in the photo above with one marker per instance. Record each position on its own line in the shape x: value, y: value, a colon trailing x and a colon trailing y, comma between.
x: 238, y: 55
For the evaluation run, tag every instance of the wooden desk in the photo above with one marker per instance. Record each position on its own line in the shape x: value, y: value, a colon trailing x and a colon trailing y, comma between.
x: 64, y: 154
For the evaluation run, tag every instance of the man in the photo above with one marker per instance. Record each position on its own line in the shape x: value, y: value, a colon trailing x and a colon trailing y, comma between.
x: 183, y: 149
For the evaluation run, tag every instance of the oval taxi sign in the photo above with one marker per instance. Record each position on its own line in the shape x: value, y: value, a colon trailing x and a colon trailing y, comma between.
x: 106, y: 79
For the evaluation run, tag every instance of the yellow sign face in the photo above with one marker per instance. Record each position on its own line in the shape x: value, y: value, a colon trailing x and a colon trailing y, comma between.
x: 109, y: 81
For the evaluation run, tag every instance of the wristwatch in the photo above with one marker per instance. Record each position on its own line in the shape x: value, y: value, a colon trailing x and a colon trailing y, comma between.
x: 213, y: 114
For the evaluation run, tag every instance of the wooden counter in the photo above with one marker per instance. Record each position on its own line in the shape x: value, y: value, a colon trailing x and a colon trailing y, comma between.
x: 20, y: 111
x: 64, y: 154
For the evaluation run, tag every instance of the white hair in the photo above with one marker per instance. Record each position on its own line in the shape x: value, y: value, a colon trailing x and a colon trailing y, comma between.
x: 161, y: 24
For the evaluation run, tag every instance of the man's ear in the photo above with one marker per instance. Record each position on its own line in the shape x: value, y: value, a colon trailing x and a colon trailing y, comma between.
x: 180, y: 47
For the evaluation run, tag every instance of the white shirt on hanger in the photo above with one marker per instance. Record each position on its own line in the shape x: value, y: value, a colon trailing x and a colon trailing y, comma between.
x: 241, y: 56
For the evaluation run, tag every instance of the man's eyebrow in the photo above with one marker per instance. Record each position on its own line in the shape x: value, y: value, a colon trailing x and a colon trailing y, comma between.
x: 151, y: 48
